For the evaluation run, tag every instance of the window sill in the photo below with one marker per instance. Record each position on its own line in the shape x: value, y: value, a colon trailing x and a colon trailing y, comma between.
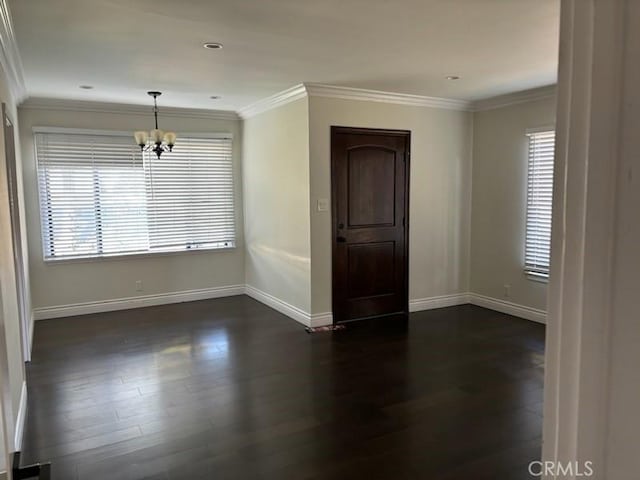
x: 134, y: 255
x: 537, y: 277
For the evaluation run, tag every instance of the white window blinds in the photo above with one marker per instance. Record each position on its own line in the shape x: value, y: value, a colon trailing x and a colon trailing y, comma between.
x: 190, y: 196
x: 539, y: 202
x: 100, y: 196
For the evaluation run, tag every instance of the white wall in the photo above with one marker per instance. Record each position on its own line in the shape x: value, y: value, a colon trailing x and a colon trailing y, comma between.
x: 440, y: 192
x: 454, y: 247
x: 276, y: 202
x: 498, y: 219
x: 73, y: 282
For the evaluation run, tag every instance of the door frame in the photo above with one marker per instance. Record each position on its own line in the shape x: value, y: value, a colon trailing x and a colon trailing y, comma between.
x: 335, y: 130
x: 8, y: 127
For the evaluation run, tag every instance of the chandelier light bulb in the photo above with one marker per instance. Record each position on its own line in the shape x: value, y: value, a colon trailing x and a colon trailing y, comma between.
x: 170, y: 138
x: 156, y: 135
x: 141, y: 138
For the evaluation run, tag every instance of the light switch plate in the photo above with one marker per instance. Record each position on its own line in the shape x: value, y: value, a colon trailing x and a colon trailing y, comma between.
x: 323, y: 204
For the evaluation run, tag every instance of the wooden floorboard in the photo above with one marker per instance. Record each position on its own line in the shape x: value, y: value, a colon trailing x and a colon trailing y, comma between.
x: 231, y: 389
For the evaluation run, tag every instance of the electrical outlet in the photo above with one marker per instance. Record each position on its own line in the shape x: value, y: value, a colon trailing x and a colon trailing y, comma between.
x: 507, y: 291
x: 138, y: 285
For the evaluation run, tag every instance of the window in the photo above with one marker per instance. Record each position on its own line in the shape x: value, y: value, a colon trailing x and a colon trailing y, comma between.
x: 539, y: 201
x: 101, y: 196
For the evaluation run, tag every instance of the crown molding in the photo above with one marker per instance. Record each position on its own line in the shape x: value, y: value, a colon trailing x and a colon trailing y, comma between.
x: 277, y: 100
x: 127, y: 109
x: 291, y: 95
x: 515, y: 98
x: 349, y: 93
x: 9, y: 55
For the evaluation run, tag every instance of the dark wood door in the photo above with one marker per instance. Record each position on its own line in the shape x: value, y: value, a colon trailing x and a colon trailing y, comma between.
x: 370, y: 197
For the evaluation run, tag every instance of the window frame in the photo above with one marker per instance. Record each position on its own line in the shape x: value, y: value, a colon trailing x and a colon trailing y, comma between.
x: 541, y: 277
x: 140, y: 254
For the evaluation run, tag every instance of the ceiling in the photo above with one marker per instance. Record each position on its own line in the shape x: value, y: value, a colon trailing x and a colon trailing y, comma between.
x: 124, y: 48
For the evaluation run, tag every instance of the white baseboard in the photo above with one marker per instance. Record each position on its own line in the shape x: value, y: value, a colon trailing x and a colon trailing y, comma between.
x: 22, y: 416
x: 305, y: 318
x: 281, y: 306
x: 509, y: 308
x: 441, y: 301
x: 136, y: 302
x: 321, y: 319
x: 502, y: 306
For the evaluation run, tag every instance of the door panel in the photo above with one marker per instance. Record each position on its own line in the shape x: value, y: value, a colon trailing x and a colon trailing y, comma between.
x: 368, y: 269
x: 370, y: 178
x: 369, y: 169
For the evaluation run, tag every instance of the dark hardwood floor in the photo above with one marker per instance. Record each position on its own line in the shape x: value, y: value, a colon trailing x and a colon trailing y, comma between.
x: 230, y: 389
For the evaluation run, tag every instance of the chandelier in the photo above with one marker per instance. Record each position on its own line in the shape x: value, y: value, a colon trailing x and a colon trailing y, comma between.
x: 156, y: 140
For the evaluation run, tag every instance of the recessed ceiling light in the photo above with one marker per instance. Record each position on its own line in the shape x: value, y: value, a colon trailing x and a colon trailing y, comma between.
x: 212, y: 45
x: 86, y: 87
x: 452, y: 77
x: 214, y: 97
